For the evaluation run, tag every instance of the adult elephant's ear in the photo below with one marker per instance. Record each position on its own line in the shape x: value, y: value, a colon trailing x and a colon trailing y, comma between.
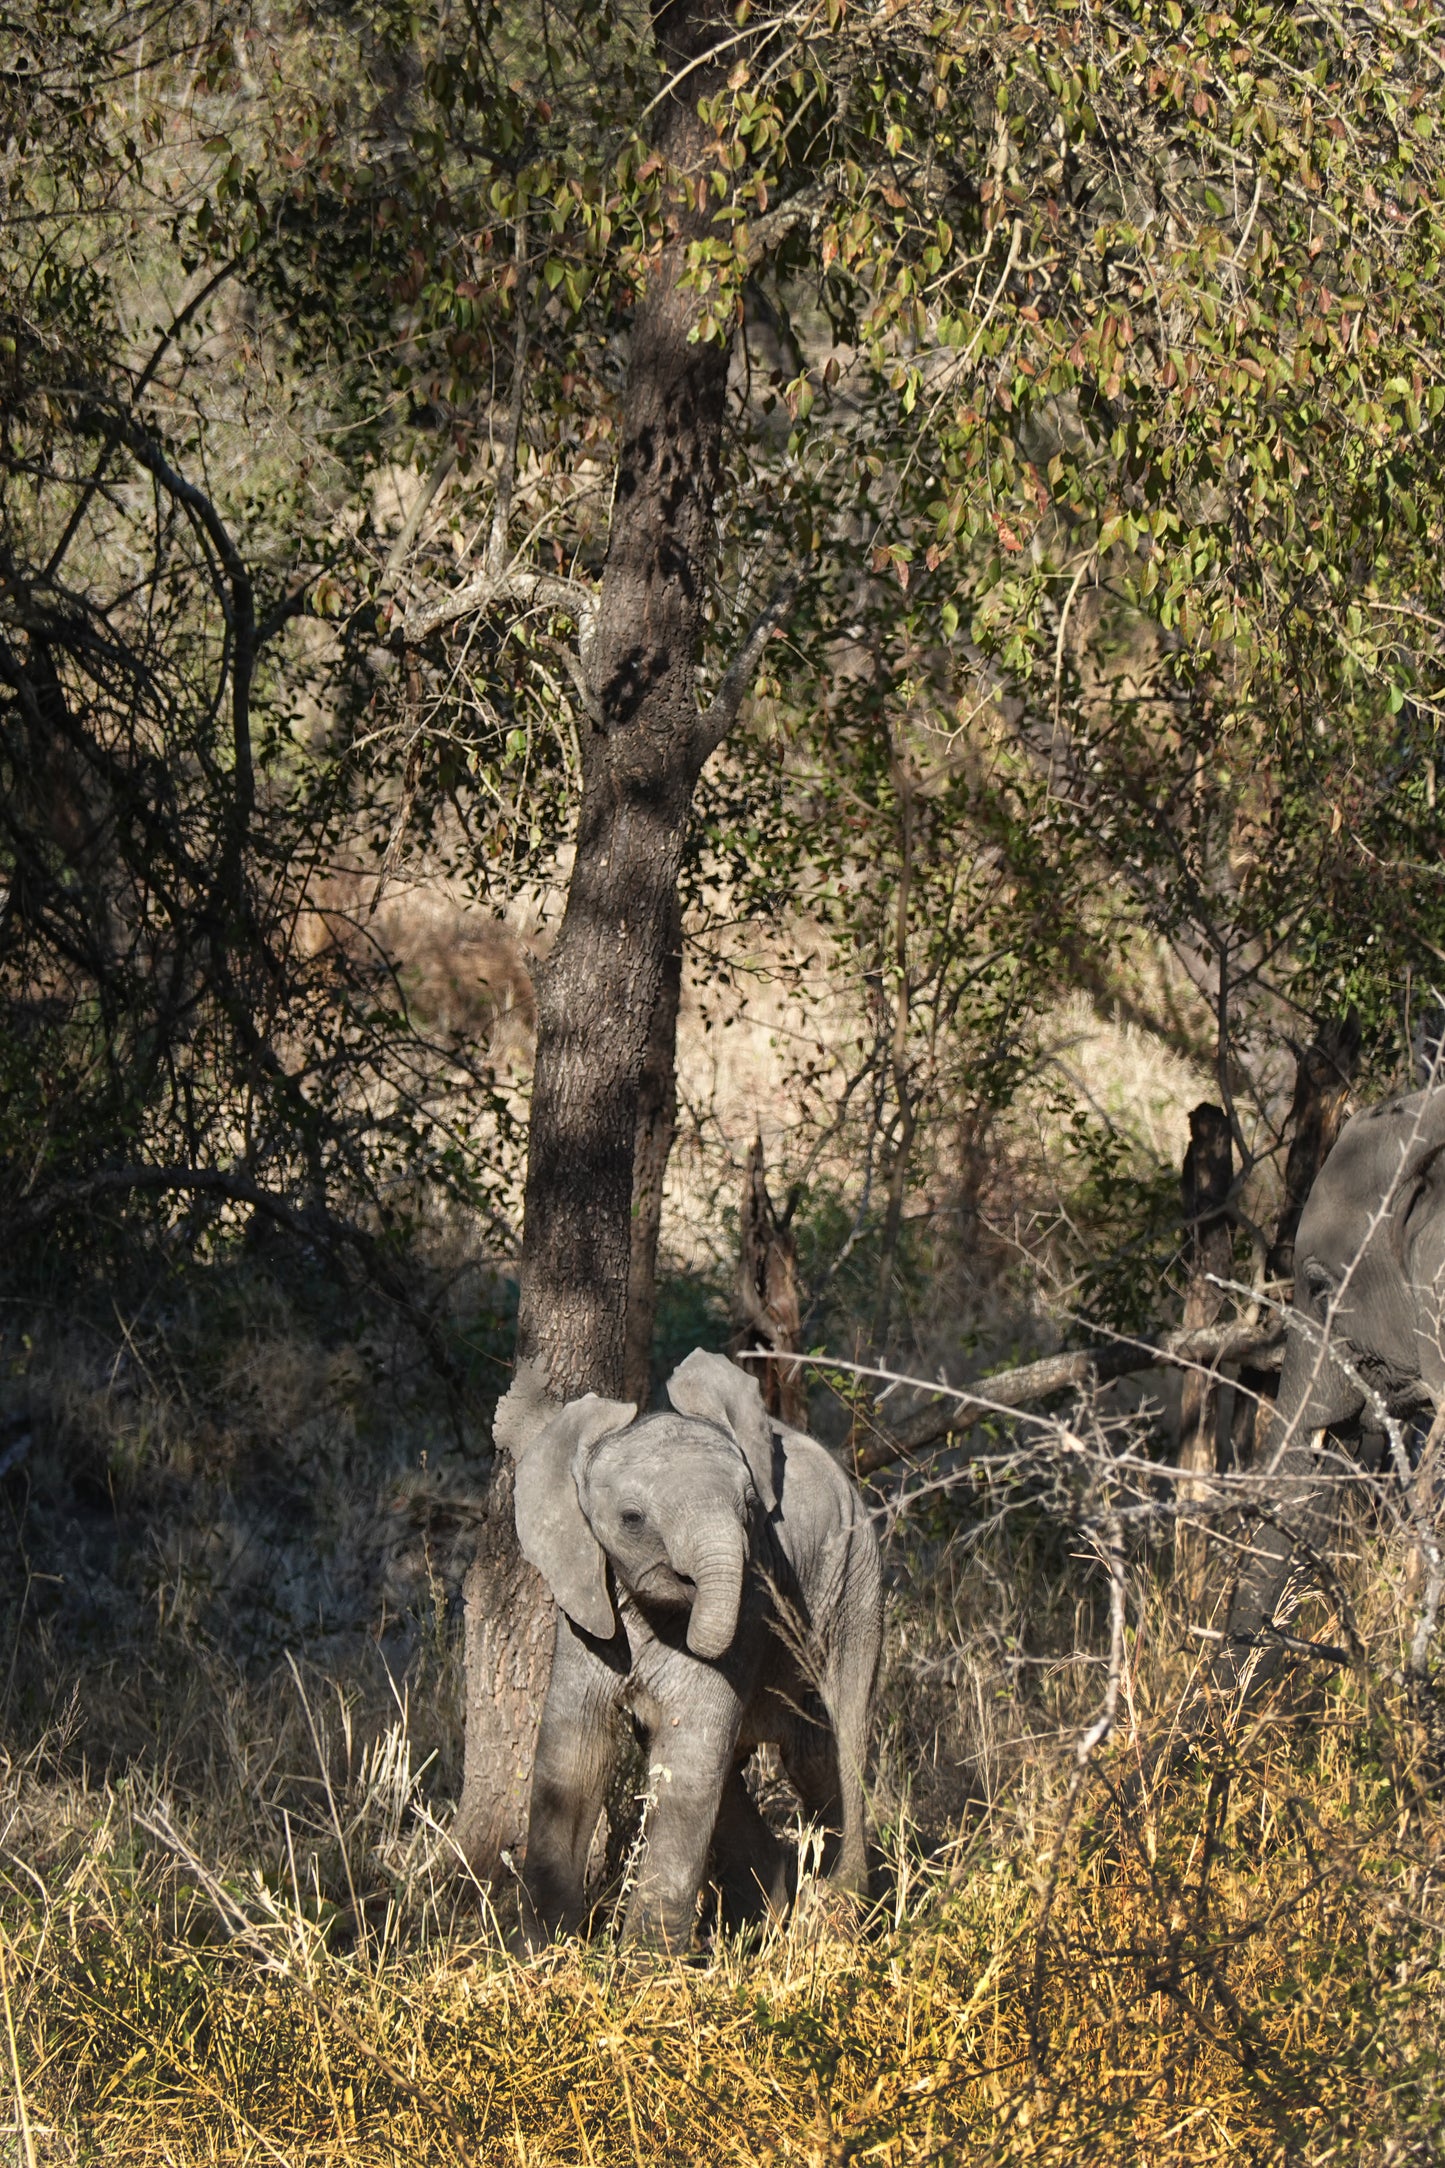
x: 717, y: 1390
x: 544, y: 1441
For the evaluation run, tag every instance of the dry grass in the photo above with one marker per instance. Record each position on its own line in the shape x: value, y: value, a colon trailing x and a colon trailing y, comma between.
x: 271, y: 1958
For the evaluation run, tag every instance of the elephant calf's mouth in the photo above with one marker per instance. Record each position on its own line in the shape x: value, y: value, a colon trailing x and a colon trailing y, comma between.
x: 660, y: 1585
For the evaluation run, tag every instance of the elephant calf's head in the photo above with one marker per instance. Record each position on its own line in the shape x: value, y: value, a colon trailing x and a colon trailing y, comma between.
x: 667, y: 1500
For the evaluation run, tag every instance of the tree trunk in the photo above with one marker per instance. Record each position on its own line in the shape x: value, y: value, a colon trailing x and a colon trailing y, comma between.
x: 656, y: 1125
x: 507, y: 1661
x: 1321, y: 1099
x: 1205, y: 1186
x: 1321, y: 1095
x: 601, y: 995
x: 767, y: 1295
x: 642, y: 751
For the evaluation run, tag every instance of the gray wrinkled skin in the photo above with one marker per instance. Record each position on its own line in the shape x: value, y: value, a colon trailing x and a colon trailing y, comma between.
x: 717, y: 1581
x: 1370, y: 1288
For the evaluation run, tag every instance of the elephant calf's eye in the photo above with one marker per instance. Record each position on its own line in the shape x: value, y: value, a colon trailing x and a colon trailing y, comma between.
x: 631, y: 1518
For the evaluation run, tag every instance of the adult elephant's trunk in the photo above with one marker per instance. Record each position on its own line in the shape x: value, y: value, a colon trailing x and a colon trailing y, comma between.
x: 713, y: 1559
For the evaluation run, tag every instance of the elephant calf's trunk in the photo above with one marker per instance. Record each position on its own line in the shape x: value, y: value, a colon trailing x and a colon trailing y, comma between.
x: 715, y: 1567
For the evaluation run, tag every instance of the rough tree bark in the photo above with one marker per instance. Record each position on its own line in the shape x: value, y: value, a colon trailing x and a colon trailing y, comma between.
x: 507, y: 1632
x: 602, y: 997
x: 899, y: 1165
x: 1321, y: 1096
x: 643, y: 747
x: 1205, y: 1186
x: 656, y: 1125
x: 767, y: 1294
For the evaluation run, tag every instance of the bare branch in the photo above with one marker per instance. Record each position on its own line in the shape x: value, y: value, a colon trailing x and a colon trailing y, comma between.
x: 237, y: 1188
x: 145, y: 449
x: 1275, y: 1637
x: 426, y: 497
x: 317, y: 1224
x: 486, y: 588
x: 138, y: 391
x: 738, y: 677
x: 496, y: 556
x: 962, y: 1407
x: 238, y: 607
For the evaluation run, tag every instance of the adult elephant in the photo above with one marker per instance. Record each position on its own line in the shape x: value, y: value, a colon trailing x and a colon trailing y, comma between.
x: 718, y: 1584
x: 1365, y: 1341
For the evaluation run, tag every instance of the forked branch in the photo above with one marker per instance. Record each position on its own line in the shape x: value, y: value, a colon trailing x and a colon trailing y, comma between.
x: 484, y: 590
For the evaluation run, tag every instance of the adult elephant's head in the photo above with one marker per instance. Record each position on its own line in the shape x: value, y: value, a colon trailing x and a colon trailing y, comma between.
x: 670, y: 1500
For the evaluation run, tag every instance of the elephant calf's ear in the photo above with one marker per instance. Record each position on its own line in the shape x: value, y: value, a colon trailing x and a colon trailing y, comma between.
x: 551, y: 1526
x: 711, y: 1387
x: 524, y: 1410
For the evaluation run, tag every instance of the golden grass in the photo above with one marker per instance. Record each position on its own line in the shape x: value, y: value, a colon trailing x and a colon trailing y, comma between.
x: 1245, y: 1963
x: 235, y: 1935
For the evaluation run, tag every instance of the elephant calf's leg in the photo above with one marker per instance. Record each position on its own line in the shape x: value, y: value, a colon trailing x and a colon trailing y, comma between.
x: 749, y: 1866
x: 688, y: 1770
x: 812, y: 1767
x: 827, y: 1773
x: 575, y: 1749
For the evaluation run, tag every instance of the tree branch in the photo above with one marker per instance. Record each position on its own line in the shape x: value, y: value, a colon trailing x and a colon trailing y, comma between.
x: 145, y: 449
x: 774, y: 226
x: 484, y: 589
x: 722, y: 712
x: 496, y: 557
x: 123, y: 1181
x: 239, y: 610
x: 964, y: 1406
x: 317, y: 1225
x: 288, y: 607
x: 426, y: 497
x: 138, y: 390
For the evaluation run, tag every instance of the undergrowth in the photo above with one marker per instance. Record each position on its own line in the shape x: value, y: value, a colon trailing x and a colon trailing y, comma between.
x: 1247, y: 1965
x: 279, y: 1960
x: 233, y: 1927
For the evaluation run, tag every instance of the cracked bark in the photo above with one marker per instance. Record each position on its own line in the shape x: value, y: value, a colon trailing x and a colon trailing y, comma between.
x: 656, y: 1125
x: 1204, y: 1186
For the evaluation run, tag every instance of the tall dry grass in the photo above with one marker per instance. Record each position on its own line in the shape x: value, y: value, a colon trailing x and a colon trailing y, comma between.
x: 264, y: 1952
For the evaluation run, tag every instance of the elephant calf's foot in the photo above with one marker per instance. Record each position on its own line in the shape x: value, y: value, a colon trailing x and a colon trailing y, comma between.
x: 653, y: 1930
x: 538, y: 1921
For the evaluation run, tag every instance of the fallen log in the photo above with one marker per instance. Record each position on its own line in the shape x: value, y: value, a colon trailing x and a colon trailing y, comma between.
x: 960, y: 1407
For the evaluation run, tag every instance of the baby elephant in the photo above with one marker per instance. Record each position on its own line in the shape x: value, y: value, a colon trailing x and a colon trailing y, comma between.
x: 718, y: 1581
